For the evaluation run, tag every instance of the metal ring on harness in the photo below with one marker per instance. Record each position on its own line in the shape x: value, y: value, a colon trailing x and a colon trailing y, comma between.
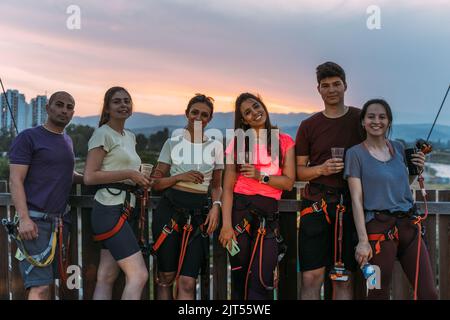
x: 391, y: 234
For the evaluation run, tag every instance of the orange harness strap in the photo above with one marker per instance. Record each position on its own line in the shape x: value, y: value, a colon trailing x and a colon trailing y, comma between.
x: 380, y: 237
x: 315, y: 208
x: 116, y: 228
x: 63, y: 261
x: 187, y: 229
x: 418, y: 222
x: 260, y: 235
x: 165, y: 232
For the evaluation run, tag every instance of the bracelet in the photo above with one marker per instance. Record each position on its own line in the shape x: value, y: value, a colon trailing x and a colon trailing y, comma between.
x: 217, y: 202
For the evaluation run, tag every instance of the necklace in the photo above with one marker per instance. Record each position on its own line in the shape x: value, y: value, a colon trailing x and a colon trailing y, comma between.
x: 50, y: 130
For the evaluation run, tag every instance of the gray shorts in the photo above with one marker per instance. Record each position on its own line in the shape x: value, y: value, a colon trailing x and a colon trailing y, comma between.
x: 41, y: 276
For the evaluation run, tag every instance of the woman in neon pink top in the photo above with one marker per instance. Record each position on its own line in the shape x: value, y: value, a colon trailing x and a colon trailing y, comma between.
x: 253, y: 183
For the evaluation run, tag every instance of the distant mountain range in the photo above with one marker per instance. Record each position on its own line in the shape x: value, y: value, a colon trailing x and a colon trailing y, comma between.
x: 220, y: 120
x: 148, y: 123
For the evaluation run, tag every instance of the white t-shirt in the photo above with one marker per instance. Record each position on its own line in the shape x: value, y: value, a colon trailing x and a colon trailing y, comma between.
x: 120, y: 155
x: 184, y: 156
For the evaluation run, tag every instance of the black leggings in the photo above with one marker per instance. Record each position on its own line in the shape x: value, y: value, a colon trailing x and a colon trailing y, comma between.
x: 240, y: 262
x: 405, y: 249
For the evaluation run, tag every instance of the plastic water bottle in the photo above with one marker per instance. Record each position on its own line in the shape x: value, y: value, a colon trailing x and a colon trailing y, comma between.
x: 368, y: 270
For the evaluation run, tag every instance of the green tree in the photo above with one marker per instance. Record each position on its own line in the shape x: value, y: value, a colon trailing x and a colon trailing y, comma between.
x: 4, y: 169
x: 141, y: 143
x: 6, y: 137
x: 80, y: 137
x: 149, y: 148
x: 156, y: 140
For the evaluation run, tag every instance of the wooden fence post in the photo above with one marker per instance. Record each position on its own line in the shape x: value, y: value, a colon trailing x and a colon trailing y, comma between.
x: 288, y: 266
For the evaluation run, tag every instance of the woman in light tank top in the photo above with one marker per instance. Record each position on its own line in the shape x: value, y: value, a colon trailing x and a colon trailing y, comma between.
x: 383, y: 208
x: 189, y: 168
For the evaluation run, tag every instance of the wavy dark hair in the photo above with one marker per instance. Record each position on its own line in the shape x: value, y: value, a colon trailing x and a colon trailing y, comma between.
x: 386, y: 107
x: 239, y: 122
x: 104, y: 116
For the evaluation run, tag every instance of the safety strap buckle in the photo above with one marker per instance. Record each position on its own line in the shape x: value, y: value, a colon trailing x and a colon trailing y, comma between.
x: 316, y: 207
x: 167, y: 230
x: 392, y: 234
x: 240, y: 227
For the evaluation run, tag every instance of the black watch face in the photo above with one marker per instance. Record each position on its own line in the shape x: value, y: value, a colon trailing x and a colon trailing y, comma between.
x: 266, y: 179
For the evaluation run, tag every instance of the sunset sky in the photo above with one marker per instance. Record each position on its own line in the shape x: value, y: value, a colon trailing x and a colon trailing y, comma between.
x: 164, y: 51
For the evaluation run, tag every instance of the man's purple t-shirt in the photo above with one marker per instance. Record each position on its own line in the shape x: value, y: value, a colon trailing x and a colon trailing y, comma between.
x: 51, y: 162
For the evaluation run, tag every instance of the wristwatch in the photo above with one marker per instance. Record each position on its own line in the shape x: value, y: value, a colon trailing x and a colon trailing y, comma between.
x: 264, y: 178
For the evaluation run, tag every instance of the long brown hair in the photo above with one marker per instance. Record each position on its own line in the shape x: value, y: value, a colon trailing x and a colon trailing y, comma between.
x: 104, y: 116
x: 239, y: 122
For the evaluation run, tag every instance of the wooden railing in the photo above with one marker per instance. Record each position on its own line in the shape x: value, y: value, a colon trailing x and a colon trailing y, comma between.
x: 214, y: 279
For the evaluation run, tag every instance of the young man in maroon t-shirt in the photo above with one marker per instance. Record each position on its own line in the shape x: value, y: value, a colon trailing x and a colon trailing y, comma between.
x: 337, y: 126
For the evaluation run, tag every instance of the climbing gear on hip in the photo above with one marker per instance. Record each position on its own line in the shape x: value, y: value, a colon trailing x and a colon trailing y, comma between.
x: 267, y: 229
x: 181, y: 221
x: 316, y: 207
x: 391, y: 234
x: 338, y: 272
x: 258, y: 242
x: 46, y: 257
x: 179, y: 216
x: 328, y: 194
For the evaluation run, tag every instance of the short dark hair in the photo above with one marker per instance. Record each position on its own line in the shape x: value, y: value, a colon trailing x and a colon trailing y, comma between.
x: 386, y: 107
x: 330, y: 69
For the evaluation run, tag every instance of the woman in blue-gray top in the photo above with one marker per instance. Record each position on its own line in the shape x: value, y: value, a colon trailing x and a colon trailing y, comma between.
x: 383, y: 207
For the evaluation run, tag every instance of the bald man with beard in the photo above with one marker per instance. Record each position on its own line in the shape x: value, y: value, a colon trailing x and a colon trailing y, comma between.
x: 41, y: 176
